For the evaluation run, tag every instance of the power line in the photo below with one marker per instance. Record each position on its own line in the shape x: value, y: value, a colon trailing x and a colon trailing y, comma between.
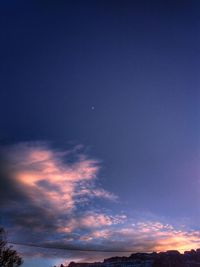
x: 69, y: 248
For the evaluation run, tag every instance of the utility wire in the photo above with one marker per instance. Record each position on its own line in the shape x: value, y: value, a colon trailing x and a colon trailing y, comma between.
x: 69, y: 248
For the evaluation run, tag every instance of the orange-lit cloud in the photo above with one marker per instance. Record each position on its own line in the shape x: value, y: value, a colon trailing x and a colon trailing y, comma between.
x: 145, y: 237
x: 47, y: 178
x: 52, y: 201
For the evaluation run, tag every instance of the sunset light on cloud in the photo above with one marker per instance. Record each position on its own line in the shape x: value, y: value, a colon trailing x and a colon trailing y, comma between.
x: 62, y: 192
x: 99, y: 132
x: 48, y: 181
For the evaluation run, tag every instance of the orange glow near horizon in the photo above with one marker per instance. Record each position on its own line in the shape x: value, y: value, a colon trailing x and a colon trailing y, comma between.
x: 52, y: 184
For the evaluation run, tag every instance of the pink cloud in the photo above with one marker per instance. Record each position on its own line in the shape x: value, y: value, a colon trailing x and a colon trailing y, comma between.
x: 48, y: 178
x: 91, y: 220
x: 57, y: 185
x: 145, y: 236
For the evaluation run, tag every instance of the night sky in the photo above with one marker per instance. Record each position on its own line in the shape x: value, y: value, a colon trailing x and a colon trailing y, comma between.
x: 99, y: 130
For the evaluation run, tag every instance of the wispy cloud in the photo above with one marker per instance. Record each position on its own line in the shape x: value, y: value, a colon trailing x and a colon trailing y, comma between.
x: 48, y: 196
x: 144, y: 236
x: 53, y: 188
x: 46, y: 178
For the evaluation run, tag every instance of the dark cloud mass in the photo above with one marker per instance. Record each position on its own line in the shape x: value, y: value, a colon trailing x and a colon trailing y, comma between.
x: 43, y: 206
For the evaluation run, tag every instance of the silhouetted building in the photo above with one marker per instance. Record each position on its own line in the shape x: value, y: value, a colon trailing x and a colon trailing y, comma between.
x: 170, y: 258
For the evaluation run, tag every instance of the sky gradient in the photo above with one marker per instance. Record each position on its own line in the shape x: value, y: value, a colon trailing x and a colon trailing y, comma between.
x: 99, y: 140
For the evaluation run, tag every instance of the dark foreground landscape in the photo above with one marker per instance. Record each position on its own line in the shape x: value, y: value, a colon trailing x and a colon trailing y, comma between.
x: 171, y: 258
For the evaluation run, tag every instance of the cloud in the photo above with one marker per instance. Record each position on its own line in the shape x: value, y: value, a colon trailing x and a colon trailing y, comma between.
x: 145, y: 236
x: 48, y: 197
x: 42, y: 172
x: 48, y: 190
x: 101, y: 193
x: 91, y: 220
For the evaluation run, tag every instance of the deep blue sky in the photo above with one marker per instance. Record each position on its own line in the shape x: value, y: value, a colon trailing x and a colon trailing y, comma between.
x: 121, y: 78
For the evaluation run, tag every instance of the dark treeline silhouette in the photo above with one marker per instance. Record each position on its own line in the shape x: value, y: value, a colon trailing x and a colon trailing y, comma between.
x: 8, y: 256
x: 171, y: 258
